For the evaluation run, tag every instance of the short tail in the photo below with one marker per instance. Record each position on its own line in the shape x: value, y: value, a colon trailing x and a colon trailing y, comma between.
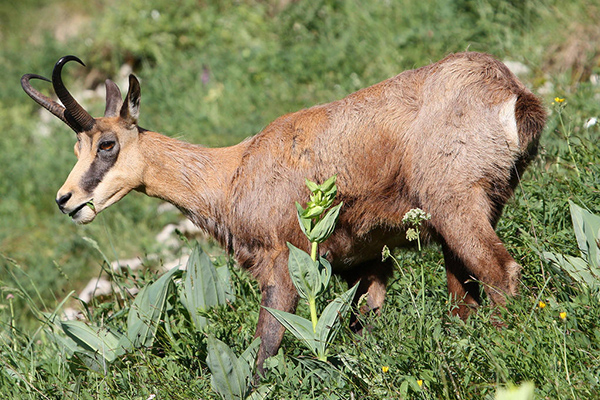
x: 531, y: 118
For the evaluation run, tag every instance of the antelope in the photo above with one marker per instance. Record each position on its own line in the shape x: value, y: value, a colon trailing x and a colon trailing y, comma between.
x: 452, y: 138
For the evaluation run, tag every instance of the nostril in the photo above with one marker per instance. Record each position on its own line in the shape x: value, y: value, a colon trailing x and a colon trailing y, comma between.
x: 62, y: 200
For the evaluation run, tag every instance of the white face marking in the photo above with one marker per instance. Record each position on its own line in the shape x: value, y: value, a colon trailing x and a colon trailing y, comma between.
x: 509, y: 123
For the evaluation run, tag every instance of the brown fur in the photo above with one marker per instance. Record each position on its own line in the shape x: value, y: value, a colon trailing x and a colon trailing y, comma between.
x: 440, y: 138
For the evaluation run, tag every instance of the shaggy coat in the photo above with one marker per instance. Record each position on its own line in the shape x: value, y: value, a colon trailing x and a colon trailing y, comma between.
x: 451, y: 138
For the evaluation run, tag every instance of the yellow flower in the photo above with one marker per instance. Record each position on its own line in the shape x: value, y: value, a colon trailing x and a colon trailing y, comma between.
x: 385, y: 369
x: 563, y: 315
x: 558, y: 99
x: 420, y: 382
x: 541, y: 304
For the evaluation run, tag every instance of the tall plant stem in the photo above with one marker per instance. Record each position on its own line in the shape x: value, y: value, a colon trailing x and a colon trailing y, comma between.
x: 312, y: 302
x: 312, y: 305
x: 567, y: 133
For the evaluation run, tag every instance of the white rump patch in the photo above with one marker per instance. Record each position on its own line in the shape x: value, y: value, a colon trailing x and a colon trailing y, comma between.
x: 509, y: 123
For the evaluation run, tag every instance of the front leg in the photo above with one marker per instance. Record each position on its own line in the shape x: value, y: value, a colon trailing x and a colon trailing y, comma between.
x: 373, y: 276
x: 277, y: 292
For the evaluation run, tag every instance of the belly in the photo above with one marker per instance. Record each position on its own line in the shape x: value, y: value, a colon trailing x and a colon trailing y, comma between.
x: 345, y: 252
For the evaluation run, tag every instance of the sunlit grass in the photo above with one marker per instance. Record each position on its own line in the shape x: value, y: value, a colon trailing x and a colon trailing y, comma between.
x: 262, y: 60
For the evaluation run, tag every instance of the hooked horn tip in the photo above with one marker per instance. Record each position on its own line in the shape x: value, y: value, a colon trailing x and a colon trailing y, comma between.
x: 34, y: 76
x: 63, y: 60
x: 25, y: 78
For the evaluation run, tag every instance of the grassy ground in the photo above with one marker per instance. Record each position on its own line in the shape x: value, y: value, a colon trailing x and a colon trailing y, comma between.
x: 264, y: 59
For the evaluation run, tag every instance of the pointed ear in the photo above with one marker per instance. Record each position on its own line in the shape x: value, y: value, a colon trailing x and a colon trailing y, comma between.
x: 130, y: 110
x: 114, y: 99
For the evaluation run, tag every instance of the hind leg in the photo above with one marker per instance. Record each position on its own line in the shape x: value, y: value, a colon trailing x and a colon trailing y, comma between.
x: 463, y: 289
x: 373, y: 277
x: 472, y: 249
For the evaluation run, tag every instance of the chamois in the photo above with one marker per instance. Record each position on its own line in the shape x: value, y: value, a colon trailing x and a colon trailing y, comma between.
x: 452, y: 138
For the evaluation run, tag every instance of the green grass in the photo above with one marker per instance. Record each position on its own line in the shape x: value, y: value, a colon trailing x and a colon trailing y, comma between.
x: 265, y: 59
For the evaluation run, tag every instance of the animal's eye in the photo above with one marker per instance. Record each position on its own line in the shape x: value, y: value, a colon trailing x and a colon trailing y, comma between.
x: 107, y: 145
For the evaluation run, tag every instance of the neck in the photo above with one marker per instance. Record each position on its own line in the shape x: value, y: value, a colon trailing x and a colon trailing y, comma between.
x: 191, y: 177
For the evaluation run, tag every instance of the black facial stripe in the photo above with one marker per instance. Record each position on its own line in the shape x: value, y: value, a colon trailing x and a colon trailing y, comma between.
x: 99, y: 167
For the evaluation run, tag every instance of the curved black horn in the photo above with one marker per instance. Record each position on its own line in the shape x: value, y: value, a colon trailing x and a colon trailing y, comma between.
x: 78, y: 118
x: 43, y: 100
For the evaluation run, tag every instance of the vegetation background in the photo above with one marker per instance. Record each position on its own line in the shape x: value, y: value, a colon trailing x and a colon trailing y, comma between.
x: 216, y: 72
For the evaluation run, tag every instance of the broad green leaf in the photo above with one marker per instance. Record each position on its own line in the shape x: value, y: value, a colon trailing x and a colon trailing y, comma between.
x: 324, y: 228
x: 325, y: 274
x: 224, y: 278
x: 309, y: 277
x: 587, y: 230
x: 300, y: 327
x: 146, y: 311
x: 94, y: 339
x: 329, y: 184
x: 312, y: 186
x: 305, y: 224
x: 230, y: 375
x: 326, y: 372
x: 584, y: 270
x: 313, y: 211
x: 203, y: 287
x: 576, y: 267
x: 403, y: 389
x: 93, y: 360
x: 330, y: 320
x: 302, y: 271
x: 66, y: 344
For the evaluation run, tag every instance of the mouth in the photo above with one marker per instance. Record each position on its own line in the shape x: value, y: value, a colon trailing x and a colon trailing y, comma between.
x: 73, y: 213
x: 84, y: 213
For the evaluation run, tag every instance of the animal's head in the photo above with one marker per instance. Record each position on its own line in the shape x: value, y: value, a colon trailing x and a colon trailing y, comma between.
x: 109, y: 164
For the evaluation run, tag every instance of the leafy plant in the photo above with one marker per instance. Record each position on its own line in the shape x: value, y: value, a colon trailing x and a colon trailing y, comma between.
x: 95, y: 346
x: 231, y: 374
x: 585, y: 270
x: 311, y: 276
x: 316, y: 226
x: 146, y: 311
x: 202, y: 287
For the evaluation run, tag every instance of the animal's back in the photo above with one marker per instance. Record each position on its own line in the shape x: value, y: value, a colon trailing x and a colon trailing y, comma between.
x: 425, y: 134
